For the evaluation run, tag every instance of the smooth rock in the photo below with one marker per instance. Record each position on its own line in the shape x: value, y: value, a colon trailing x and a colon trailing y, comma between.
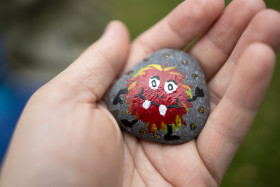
x: 164, y: 98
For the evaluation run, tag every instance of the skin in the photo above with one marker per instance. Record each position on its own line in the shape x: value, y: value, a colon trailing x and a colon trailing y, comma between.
x: 67, y: 137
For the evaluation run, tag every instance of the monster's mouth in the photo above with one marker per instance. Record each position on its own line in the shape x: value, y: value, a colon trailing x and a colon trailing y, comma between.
x: 157, y: 104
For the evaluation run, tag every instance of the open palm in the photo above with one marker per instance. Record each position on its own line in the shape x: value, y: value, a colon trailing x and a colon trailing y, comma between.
x: 67, y: 137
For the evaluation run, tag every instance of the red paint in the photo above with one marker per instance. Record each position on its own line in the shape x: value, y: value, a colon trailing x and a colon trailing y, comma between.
x: 151, y: 115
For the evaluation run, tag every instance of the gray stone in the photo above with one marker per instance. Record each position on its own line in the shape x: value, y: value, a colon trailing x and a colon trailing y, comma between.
x: 164, y: 98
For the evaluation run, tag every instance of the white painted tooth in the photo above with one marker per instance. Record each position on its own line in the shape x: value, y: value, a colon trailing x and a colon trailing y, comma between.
x: 162, y: 110
x: 146, y: 104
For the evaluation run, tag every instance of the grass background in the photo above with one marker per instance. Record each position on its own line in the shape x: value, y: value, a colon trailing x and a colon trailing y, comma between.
x: 43, y: 36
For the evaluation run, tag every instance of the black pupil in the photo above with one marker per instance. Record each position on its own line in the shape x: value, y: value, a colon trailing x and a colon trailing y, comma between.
x: 154, y: 83
x: 170, y: 87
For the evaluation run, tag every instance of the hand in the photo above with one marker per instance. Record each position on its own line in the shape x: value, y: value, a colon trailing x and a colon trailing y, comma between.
x: 67, y: 137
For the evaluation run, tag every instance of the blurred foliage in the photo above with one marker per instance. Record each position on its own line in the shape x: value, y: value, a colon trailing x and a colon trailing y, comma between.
x: 46, y: 35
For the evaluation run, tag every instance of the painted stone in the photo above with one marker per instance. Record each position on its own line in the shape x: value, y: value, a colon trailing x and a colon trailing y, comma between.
x: 164, y: 98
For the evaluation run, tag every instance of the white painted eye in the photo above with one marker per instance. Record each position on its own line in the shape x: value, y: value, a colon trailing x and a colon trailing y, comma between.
x: 170, y: 86
x: 154, y: 82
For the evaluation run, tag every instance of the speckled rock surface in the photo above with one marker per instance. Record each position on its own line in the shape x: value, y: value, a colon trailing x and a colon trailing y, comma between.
x: 164, y: 98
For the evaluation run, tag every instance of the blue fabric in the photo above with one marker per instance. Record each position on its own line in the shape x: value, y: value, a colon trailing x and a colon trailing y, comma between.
x: 13, y: 96
x: 12, y: 100
x: 9, y: 112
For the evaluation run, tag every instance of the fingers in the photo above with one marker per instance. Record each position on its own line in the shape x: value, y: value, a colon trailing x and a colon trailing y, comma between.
x: 230, y: 121
x: 94, y: 71
x: 177, y: 29
x: 264, y: 28
x: 214, y: 48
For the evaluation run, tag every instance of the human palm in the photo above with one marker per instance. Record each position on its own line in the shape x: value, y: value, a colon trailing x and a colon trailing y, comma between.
x: 67, y: 137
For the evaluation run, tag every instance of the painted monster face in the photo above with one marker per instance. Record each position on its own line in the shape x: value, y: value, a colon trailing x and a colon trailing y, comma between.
x: 158, y: 96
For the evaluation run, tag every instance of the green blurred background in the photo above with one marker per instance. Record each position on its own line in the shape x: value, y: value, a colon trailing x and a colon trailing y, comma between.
x: 39, y: 38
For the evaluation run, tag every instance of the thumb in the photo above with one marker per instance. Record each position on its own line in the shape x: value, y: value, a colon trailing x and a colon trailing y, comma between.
x: 95, y: 70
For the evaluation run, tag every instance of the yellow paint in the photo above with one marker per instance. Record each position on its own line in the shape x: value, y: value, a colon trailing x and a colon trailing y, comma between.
x: 116, y: 113
x: 163, y: 127
x: 173, y: 127
x: 188, y: 90
x: 142, y: 131
x: 156, y: 66
x: 168, y: 68
x: 187, y: 110
x: 132, y: 85
x: 201, y: 110
x: 175, y: 73
x: 154, y: 128
x: 178, y: 121
x: 193, y: 126
x: 151, y: 66
x: 157, y: 136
